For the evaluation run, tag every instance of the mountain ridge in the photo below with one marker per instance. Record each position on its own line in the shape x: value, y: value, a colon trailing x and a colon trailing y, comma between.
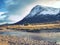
x: 41, y: 14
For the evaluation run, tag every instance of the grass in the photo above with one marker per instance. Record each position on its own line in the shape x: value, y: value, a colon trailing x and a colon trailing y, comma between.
x: 32, y: 27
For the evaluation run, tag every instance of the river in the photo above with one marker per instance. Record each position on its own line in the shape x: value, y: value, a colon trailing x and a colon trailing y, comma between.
x: 49, y: 36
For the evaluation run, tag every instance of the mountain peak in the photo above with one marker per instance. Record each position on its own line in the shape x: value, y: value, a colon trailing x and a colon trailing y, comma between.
x: 35, y: 10
x: 38, y: 6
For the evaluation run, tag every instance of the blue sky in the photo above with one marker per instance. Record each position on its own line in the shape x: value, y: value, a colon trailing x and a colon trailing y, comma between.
x: 12, y: 11
x: 2, y: 5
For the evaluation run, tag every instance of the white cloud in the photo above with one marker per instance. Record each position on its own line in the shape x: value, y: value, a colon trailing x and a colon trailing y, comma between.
x: 14, y: 18
x: 2, y: 13
x: 2, y: 16
x: 49, y: 3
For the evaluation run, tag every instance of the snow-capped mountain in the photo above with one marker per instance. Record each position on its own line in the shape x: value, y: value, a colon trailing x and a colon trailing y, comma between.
x: 41, y: 14
x: 43, y: 10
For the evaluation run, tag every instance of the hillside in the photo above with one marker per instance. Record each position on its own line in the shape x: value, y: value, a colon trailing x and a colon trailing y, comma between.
x: 41, y: 14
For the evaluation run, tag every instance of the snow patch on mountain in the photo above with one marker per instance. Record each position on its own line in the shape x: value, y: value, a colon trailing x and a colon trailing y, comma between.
x: 42, y: 10
x: 51, y: 11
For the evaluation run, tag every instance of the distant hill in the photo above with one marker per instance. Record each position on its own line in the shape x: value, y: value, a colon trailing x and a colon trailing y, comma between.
x: 41, y: 14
